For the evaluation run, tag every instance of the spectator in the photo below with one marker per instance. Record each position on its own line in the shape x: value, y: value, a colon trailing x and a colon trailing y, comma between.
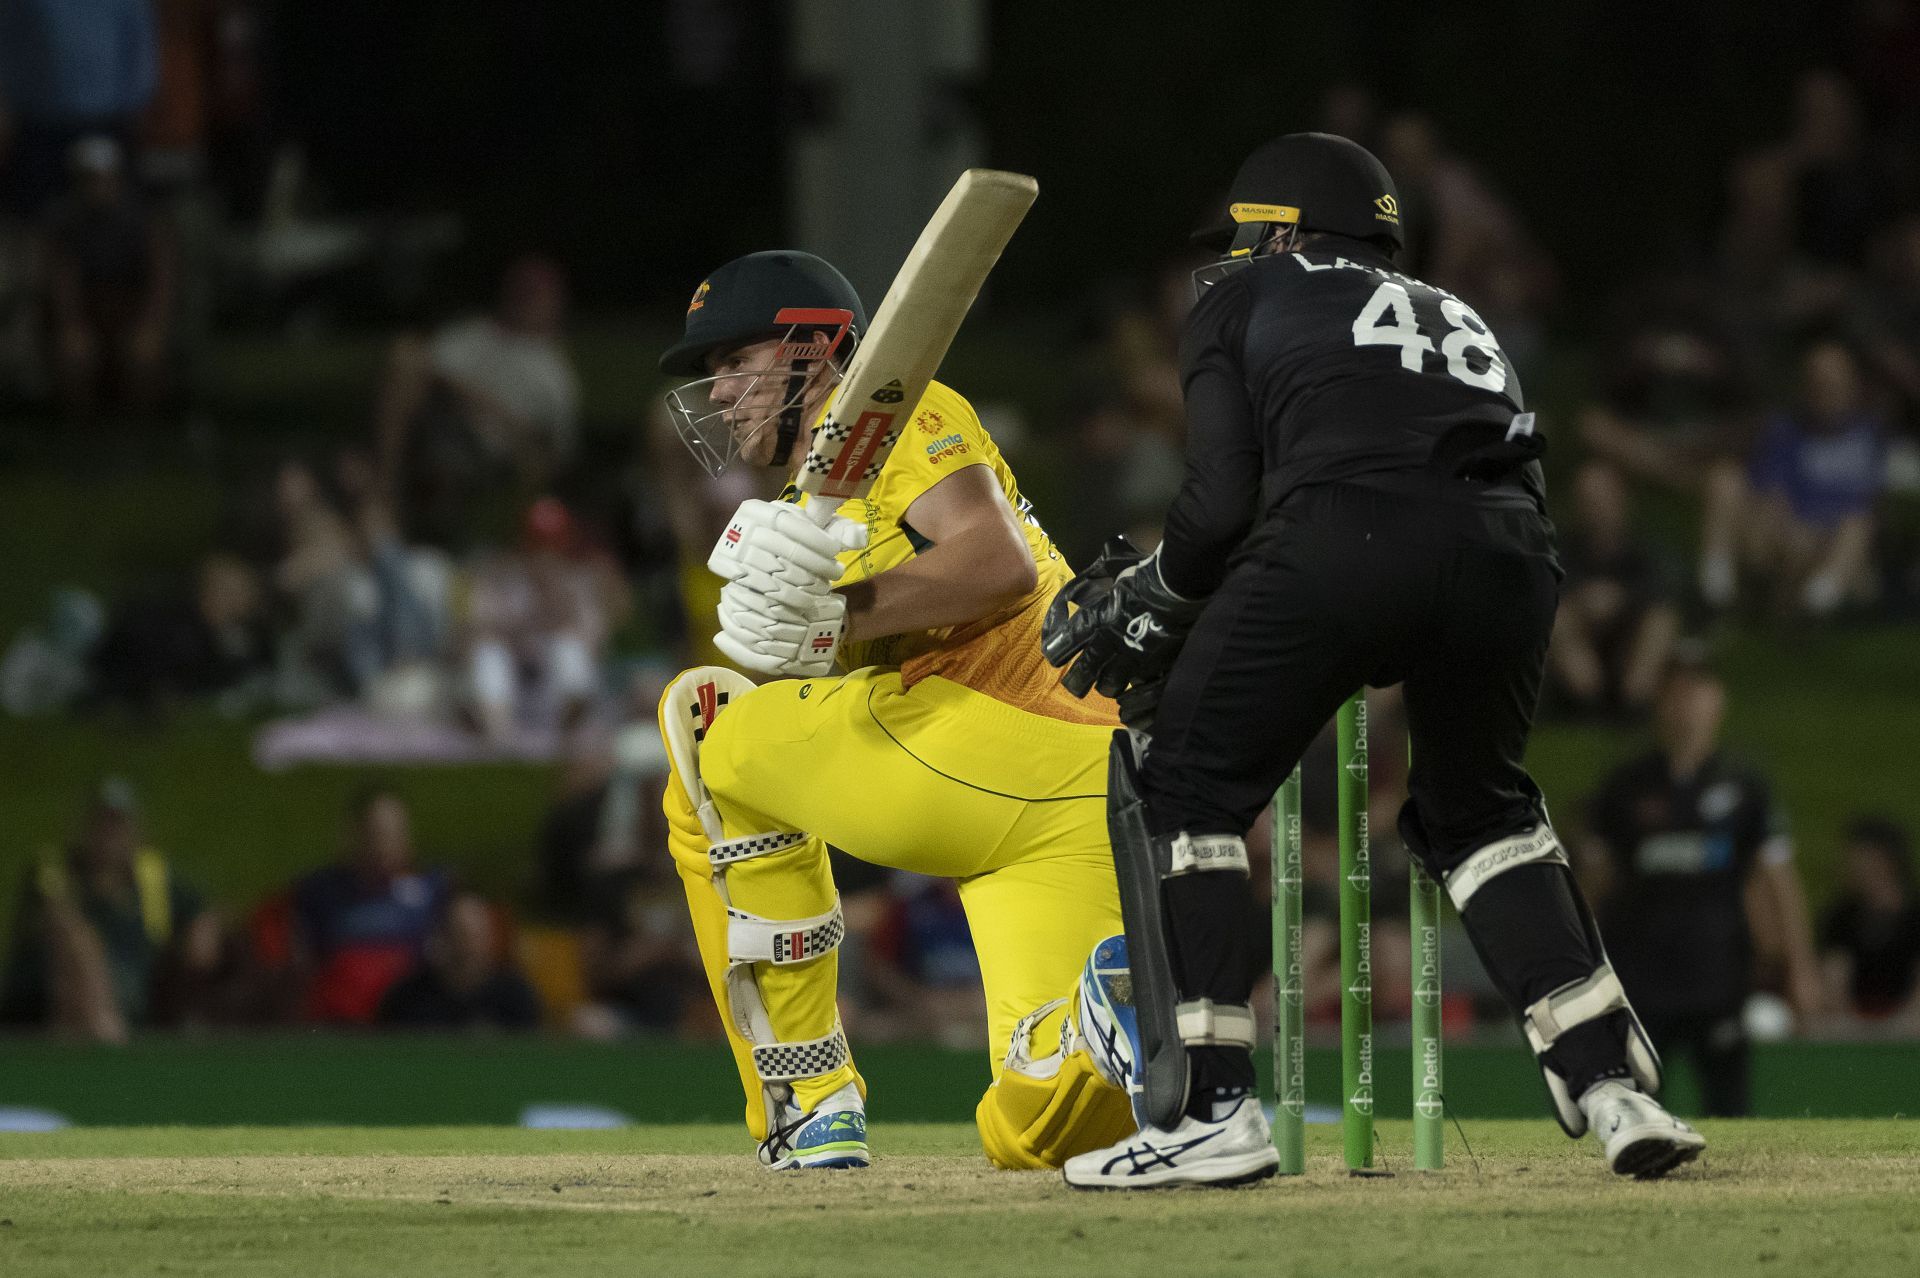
x: 539, y: 619
x: 1617, y: 622
x: 99, y: 923
x: 155, y: 650
x: 1840, y: 186
x: 637, y: 954
x: 1127, y: 475
x: 695, y: 503
x: 394, y: 645
x: 68, y: 68
x: 1681, y: 841
x: 465, y: 982
x: 111, y: 268
x: 1801, y: 515
x: 361, y: 924
x: 364, y: 610
x: 46, y: 667
x: 1870, y: 939
x: 866, y: 906
x: 1350, y: 110
x: 1885, y: 323
x: 316, y: 576
x: 921, y: 965
x: 482, y: 400
x: 1140, y: 350
x: 1801, y: 213
x: 1674, y: 393
x: 609, y: 820
x: 1466, y: 238
x: 1768, y: 292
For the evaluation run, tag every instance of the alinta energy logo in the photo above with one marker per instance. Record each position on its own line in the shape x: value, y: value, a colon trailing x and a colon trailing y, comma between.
x: 699, y: 297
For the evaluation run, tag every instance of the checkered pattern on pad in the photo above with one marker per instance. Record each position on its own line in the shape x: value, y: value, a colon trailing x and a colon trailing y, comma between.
x: 810, y: 1058
x: 732, y: 851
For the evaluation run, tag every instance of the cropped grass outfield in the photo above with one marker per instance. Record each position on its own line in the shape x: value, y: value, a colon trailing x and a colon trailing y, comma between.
x: 1788, y: 1197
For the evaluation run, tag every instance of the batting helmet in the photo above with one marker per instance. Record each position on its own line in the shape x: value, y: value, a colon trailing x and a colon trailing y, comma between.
x: 741, y: 303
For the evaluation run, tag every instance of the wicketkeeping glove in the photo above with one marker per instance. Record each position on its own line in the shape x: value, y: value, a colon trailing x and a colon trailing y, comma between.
x: 1121, y: 626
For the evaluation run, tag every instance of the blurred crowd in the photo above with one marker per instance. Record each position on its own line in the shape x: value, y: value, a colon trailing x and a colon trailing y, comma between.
x: 111, y: 936
x: 473, y: 577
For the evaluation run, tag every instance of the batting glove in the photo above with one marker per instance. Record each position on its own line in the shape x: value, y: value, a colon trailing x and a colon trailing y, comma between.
x: 780, y: 540
x: 780, y: 629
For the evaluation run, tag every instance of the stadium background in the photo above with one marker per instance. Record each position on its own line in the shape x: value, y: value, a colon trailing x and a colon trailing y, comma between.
x: 638, y: 145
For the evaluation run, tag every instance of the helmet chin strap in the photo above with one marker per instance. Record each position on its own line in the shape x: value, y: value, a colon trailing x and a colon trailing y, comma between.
x: 1250, y: 240
x: 792, y: 415
x: 804, y: 360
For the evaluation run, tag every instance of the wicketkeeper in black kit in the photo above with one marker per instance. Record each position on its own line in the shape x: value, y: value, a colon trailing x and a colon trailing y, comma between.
x: 1362, y: 505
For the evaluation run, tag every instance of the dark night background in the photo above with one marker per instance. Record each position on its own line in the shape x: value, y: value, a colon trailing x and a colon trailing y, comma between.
x: 580, y: 126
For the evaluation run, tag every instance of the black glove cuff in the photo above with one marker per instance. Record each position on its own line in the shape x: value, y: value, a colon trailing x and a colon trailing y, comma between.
x: 1158, y: 595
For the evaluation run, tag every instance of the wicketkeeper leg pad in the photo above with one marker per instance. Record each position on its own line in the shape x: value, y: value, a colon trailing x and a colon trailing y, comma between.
x: 1537, y: 939
x: 1196, y: 882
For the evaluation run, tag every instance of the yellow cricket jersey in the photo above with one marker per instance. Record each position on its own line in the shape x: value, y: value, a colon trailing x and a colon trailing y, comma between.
x: 998, y: 655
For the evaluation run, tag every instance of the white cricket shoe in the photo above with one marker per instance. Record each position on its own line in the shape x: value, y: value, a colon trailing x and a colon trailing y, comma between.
x: 1231, y: 1151
x: 1642, y: 1139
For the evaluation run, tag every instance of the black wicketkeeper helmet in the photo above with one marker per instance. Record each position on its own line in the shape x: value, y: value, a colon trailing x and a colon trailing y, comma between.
x: 1315, y: 181
x: 754, y: 297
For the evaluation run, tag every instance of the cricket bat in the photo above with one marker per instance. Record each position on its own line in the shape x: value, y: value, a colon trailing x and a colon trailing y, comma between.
x: 910, y: 334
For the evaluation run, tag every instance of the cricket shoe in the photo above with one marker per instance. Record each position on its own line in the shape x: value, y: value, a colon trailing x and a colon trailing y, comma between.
x: 832, y: 1136
x: 1104, y: 1021
x: 1233, y: 1150
x: 1642, y: 1139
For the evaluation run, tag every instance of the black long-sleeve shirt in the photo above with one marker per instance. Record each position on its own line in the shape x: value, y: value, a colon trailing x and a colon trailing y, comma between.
x: 1321, y: 367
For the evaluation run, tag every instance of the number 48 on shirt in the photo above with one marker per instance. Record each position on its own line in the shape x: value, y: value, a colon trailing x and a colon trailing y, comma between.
x: 1472, y: 354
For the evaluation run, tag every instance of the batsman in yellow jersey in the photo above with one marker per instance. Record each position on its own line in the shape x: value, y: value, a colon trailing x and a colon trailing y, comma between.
x: 950, y: 749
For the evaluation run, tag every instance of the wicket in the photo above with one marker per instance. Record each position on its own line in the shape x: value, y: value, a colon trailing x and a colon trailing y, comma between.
x: 1356, y: 973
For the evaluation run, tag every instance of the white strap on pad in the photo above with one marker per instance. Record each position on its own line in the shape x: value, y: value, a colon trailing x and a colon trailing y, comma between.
x: 1539, y: 844
x: 752, y: 939
x: 1195, y: 853
x: 1572, y: 1005
x: 1205, y: 1023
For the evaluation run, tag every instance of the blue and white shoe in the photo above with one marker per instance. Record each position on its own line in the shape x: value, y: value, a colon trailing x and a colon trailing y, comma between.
x: 1104, y: 1021
x: 832, y: 1136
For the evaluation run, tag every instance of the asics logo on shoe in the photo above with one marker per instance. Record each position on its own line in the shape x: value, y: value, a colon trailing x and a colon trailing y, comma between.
x: 1144, y: 1158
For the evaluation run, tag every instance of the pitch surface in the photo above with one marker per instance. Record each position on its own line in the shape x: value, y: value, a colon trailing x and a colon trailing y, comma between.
x: 1807, y: 1197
